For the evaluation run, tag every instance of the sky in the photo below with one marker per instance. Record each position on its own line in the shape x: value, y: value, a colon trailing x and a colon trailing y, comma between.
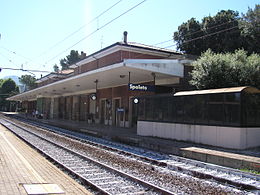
x: 36, y: 34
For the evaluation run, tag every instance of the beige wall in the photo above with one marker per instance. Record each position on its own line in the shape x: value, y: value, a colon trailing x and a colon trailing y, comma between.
x: 227, y: 137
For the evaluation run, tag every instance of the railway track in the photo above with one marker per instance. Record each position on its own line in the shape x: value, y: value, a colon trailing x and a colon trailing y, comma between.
x: 187, y: 166
x: 99, y: 176
x: 167, y: 169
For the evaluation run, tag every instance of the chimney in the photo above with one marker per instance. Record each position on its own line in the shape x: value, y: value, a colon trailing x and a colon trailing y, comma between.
x: 125, y: 37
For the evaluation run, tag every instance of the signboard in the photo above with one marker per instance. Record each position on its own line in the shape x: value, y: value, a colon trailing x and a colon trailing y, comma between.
x: 120, y: 109
x: 140, y: 87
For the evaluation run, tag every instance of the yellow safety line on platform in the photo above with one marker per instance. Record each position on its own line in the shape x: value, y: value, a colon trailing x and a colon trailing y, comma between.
x: 26, y: 163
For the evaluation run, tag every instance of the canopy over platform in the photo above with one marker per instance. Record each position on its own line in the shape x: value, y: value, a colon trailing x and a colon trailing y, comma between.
x: 130, y: 70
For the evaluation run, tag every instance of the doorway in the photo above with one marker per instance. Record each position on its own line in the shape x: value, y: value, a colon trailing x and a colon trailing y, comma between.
x: 116, y: 115
x: 102, y: 111
x: 133, y: 112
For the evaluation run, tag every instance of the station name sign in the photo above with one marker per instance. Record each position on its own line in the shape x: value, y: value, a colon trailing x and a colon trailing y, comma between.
x: 138, y: 87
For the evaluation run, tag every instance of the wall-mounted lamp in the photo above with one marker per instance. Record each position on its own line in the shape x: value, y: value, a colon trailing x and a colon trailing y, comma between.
x: 136, y: 100
x: 93, y: 96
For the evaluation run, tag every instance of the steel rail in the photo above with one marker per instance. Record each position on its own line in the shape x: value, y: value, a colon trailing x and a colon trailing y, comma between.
x: 132, y: 178
x: 182, y: 161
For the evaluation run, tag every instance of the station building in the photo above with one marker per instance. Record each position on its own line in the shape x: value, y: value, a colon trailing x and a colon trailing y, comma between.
x: 135, y: 85
x: 101, y: 87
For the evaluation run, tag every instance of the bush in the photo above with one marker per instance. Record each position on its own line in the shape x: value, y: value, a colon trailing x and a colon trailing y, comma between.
x: 213, y: 70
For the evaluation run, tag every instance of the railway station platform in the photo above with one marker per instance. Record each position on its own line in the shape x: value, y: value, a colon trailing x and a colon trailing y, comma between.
x: 239, y: 159
x: 24, y: 171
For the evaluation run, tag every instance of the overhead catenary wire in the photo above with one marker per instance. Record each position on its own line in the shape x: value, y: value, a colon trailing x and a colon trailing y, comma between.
x: 27, y: 70
x: 106, y: 24
x: 28, y: 59
x: 221, y: 31
x: 194, y: 39
x: 218, y: 32
x: 157, y: 43
x: 163, y: 42
x: 209, y: 28
x: 9, y: 60
x: 15, y: 53
x: 79, y: 29
x: 192, y: 33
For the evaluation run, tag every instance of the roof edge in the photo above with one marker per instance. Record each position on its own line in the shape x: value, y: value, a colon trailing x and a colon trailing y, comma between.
x: 248, y: 89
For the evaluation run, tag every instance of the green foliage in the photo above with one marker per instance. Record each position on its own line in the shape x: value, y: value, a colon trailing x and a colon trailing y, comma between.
x: 250, y: 25
x: 224, y: 32
x: 1, y: 82
x: 213, y: 70
x: 29, y: 81
x: 221, y: 32
x: 56, y: 68
x: 64, y: 64
x: 7, y: 88
x: 186, y: 32
x: 250, y: 171
x: 70, y: 59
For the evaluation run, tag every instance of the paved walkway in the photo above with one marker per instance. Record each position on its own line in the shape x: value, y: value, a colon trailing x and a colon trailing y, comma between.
x: 20, y: 164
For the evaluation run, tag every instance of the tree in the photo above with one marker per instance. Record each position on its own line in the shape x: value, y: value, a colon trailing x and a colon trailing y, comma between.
x: 64, y: 64
x: 1, y: 82
x: 70, y: 59
x: 213, y: 70
x: 221, y: 32
x: 7, y: 88
x: 250, y: 25
x: 188, y: 31
x: 56, y: 68
x: 28, y: 81
x: 224, y: 32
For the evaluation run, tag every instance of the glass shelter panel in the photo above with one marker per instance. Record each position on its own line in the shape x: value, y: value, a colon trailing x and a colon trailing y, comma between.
x: 251, y: 110
x: 218, y: 109
x: 232, y: 109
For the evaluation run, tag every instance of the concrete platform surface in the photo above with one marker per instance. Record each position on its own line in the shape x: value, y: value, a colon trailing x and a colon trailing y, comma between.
x: 20, y: 166
x: 226, y: 159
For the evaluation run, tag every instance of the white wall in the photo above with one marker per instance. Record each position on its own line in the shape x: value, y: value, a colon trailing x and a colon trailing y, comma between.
x: 227, y: 137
